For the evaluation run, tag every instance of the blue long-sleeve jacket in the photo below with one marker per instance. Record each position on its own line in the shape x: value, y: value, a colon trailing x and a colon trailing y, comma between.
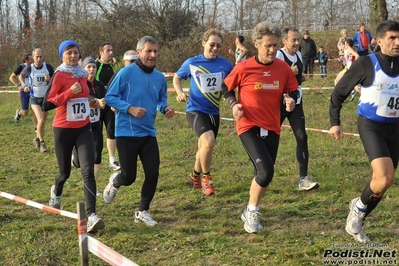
x: 358, y: 42
x: 133, y: 87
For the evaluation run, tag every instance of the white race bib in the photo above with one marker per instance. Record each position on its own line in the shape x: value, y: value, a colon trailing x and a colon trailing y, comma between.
x: 78, y: 109
x: 388, y: 105
x: 95, y: 114
x: 211, y: 82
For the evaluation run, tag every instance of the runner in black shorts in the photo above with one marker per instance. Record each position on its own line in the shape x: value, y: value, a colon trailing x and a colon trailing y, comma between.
x: 201, y: 123
x: 23, y: 96
x: 378, y: 123
x: 206, y: 72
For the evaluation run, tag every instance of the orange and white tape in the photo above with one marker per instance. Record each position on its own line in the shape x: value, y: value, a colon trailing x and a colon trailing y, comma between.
x: 38, y: 205
x: 289, y: 127
x: 107, y: 254
x: 96, y: 247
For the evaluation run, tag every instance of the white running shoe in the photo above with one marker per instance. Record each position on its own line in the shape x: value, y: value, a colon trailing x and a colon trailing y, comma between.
x: 144, y: 217
x: 94, y: 223
x: 305, y: 183
x: 355, y: 223
x: 251, y: 221
x: 54, y: 202
x: 110, y: 191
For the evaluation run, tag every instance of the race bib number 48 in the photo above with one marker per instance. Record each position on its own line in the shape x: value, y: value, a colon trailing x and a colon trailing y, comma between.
x: 388, y: 105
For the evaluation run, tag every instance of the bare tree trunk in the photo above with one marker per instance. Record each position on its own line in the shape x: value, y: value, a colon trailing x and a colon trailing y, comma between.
x: 379, y: 12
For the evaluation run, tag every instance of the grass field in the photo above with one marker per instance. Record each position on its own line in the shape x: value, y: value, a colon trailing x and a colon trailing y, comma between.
x: 195, y: 229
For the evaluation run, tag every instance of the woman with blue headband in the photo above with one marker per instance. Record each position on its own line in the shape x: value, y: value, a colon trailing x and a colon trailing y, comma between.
x: 71, y: 127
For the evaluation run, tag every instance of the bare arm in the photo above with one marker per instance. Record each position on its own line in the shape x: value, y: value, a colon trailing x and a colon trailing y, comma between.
x: 181, y: 96
x: 14, y: 79
x: 244, y: 51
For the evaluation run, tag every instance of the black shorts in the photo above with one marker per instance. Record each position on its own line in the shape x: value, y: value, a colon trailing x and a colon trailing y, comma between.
x: 379, y: 140
x: 201, y: 123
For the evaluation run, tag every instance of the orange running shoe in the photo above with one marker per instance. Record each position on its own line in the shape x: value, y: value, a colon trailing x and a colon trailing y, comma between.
x: 195, y: 181
x: 207, y: 185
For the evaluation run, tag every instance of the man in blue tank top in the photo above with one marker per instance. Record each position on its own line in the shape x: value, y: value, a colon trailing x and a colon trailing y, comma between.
x: 206, y: 72
x: 378, y: 122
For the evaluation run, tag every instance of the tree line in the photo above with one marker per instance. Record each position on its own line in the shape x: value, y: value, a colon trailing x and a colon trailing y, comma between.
x: 176, y: 24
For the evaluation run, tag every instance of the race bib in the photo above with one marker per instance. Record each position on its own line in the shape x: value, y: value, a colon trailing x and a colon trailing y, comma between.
x: 388, y: 106
x: 211, y: 82
x: 94, y: 115
x: 78, y: 109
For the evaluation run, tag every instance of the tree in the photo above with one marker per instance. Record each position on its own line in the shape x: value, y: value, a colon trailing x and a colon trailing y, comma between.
x: 24, y: 9
x: 379, y: 12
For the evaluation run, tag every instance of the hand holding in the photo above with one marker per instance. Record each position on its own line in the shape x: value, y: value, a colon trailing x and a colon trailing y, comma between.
x: 289, y: 103
x: 137, y: 112
x: 169, y: 112
x: 76, y: 88
x: 237, y: 111
x: 93, y: 103
x: 336, y: 132
x: 182, y: 97
x: 101, y: 103
x: 294, y: 69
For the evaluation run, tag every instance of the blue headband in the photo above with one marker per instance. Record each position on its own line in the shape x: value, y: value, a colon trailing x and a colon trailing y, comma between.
x: 64, y: 45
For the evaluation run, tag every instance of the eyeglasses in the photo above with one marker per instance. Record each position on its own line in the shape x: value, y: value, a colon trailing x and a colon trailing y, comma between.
x: 218, y: 45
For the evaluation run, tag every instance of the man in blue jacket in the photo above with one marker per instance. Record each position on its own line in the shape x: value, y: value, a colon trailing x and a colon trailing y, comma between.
x: 137, y: 92
x: 362, y: 39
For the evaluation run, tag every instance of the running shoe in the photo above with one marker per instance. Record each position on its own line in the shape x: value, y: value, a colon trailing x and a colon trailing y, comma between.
x: 94, y: 223
x: 195, y: 181
x: 144, y: 217
x: 305, y: 183
x: 17, y: 116
x: 207, y: 185
x: 55, y: 202
x: 114, y: 166
x: 36, y: 143
x: 110, y: 191
x: 355, y: 222
x: 43, y: 147
x: 251, y: 221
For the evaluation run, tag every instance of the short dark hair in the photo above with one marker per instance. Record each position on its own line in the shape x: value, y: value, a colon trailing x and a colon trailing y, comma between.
x: 101, y: 48
x: 284, y: 33
x: 349, y: 41
x: 241, y: 38
x: 25, y: 58
x: 388, y: 25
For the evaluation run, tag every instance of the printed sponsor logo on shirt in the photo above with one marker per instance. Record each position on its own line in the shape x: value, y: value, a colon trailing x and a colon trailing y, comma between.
x: 266, y: 74
x: 393, y: 87
x: 266, y: 86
